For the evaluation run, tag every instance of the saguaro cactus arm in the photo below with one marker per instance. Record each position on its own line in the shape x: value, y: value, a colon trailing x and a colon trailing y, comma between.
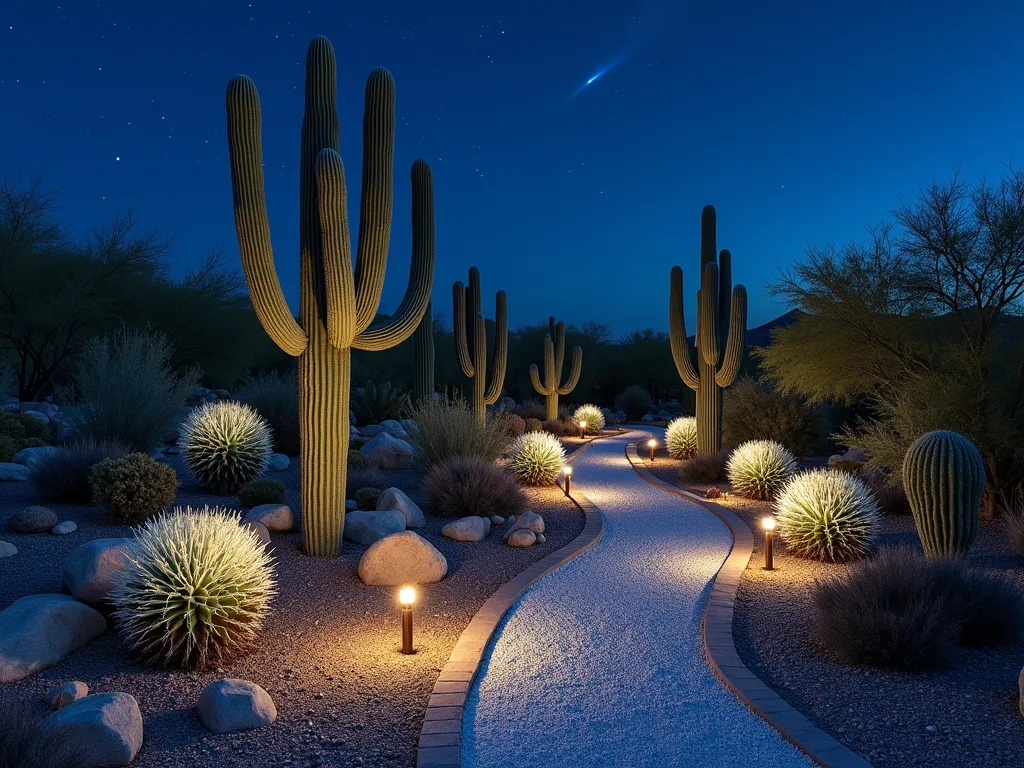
x: 339, y: 284
x: 558, y: 334
x: 707, y: 316
x: 459, y: 330
x: 677, y: 331
x: 574, y: 372
x: 730, y: 368
x: 535, y: 380
x: 500, y: 348
x: 251, y: 222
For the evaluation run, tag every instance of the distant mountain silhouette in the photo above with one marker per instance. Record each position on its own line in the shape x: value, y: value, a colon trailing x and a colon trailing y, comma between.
x: 762, y: 335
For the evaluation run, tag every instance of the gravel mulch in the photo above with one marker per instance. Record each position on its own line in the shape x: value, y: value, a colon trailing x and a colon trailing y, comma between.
x: 966, y: 715
x: 329, y: 654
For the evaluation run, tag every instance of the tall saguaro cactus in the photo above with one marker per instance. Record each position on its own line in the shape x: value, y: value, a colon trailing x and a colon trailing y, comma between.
x: 721, y: 328
x: 471, y: 342
x: 554, y: 357
x: 337, y: 307
x: 423, y: 358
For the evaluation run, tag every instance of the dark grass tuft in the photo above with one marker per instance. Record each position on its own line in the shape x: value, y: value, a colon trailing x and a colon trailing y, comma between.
x: 64, y: 475
x: 704, y: 468
x: 263, y: 491
x: 464, y: 487
x: 26, y: 741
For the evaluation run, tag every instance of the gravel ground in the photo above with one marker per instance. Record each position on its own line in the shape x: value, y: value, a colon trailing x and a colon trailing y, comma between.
x: 601, y: 663
x: 966, y: 715
x: 329, y: 654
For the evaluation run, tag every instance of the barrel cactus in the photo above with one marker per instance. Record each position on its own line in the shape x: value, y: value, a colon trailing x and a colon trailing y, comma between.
x: 944, y: 476
x: 681, y: 437
x: 536, y: 458
x: 225, y: 444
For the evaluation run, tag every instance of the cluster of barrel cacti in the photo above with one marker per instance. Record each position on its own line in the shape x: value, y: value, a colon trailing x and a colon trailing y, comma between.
x: 554, y: 358
x: 470, y: 333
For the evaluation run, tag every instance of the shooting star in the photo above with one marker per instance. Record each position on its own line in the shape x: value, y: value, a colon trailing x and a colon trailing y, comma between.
x: 594, y: 78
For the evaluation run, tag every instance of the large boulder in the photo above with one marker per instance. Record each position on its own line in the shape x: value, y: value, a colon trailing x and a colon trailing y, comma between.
x: 38, y: 631
x: 367, y: 528
x: 62, y: 695
x: 278, y: 462
x: 90, y: 569
x: 393, y: 498
x: 275, y: 517
x: 402, y: 558
x: 106, y: 726
x: 33, y: 520
x: 12, y: 473
x: 29, y: 456
x: 388, y: 452
x: 235, y: 705
x: 468, y: 529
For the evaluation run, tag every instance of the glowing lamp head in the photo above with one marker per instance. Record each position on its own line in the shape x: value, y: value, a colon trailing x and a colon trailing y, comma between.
x: 407, y: 596
x: 567, y: 470
x: 768, y: 523
x: 583, y: 423
x: 652, y: 443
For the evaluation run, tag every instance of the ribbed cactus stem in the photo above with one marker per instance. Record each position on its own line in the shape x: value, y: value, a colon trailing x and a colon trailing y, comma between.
x: 336, y: 306
x: 944, y: 476
x: 721, y: 328
x: 470, y: 332
x: 423, y: 358
x: 554, y: 358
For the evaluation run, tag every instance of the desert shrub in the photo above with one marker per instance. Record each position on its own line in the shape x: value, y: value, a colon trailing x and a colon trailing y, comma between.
x: 18, y: 431
x: 196, y: 588
x: 27, y: 740
x: 827, y: 515
x: 705, y: 468
x: 758, y: 469
x: 533, y: 409
x: 515, y: 425
x: 887, y: 490
x: 134, y: 487
x: 755, y: 412
x: 902, y: 610
x: 129, y: 390
x: 276, y: 397
x: 257, y: 492
x: 534, y: 425
x: 592, y: 415
x: 448, y: 429
x: 358, y: 460
x: 536, y: 458
x: 366, y: 498
x: 372, y: 404
x: 225, y: 445
x: 464, y: 487
x: 634, y: 400
x: 681, y: 438
x: 361, y: 477
x: 64, y: 475
x: 561, y: 428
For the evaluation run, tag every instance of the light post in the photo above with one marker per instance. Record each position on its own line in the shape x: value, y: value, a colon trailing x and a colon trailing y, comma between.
x: 583, y: 429
x: 768, y: 524
x: 651, y: 445
x: 567, y: 479
x: 406, y: 597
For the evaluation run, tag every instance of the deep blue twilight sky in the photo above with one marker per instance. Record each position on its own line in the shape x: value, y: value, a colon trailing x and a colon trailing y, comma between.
x: 800, y: 120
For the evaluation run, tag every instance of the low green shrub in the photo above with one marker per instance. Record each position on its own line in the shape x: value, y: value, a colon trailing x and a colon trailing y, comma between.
x: 225, y: 444
x: 561, y: 428
x: 372, y: 404
x: 759, y: 469
x: 19, y: 431
x: 634, y: 400
x: 276, y: 397
x: 536, y: 458
x: 464, y: 487
x: 448, y: 429
x: 754, y: 411
x: 704, y: 468
x: 515, y: 425
x: 133, y: 488
x: 534, y: 425
x: 358, y: 460
x: 366, y: 498
x: 64, y: 475
x: 681, y: 438
x: 257, y: 492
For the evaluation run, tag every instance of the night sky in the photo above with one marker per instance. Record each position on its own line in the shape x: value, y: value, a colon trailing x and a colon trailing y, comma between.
x: 800, y: 121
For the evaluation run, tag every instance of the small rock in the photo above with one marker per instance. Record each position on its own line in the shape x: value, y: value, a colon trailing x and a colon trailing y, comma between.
x: 712, y: 493
x: 260, y: 530
x: 467, y: 529
x: 7, y: 549
x: 276, y: 517
x: 931, y: 728
x: 235, y: 705
x: 62, y: 695
x: 37, y: 631
x: 541, y: 538
x: 32, y: 520
x: 351, y: 505
x: 90, y: 569
x: 29, y: 456
x: 393, y: 498
x: 12, y: 473
x: 108, y: 726
x: 521, y: 538
x: 511, y: 519
x: 647, y: 417
x: 367, y: 528
x: 529, y: 521
x: 402, y: 558
x: 63, y: 529
x: 278, y: 462
x: 497, y: 520
x: 388, y: 452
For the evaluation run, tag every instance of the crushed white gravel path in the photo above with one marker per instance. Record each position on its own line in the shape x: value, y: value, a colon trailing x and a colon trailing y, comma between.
x: 601, y: 662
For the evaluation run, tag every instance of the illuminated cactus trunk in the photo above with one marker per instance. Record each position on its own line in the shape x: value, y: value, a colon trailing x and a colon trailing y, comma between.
x: 944, y: 476
x: 337, y: 307
x: 554, y: 358
x: 423, y: 358
x: 721, y: 328
x: 471, y: 342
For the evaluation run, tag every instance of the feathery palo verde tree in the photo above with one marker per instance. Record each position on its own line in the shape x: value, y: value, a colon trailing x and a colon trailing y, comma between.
x: 337, y: 307
x: 721, y: 328
x: 554, y: 357
x: 471, y: 342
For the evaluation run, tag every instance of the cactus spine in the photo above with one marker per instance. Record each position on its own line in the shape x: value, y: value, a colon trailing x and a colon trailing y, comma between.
x: 423, y: 357
x: 337, y: 307
x: 721, y: 328
x: 944, y: 476
x: 471, y: 342
x: 554, y: 357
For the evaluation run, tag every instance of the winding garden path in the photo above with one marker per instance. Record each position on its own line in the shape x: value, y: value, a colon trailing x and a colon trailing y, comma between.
x: 601, y: 663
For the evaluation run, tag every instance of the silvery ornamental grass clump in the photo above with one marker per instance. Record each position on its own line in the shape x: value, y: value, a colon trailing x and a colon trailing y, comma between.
x: 828, y: 515
x: 536, y: 458
x: 195, y: 590
x: 681, y: 437
x: 225, y: 444
x: 590, y: 415
x: 758, y: 469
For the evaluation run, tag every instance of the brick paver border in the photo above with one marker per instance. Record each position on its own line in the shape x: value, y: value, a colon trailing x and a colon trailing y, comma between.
x: 441, y: 734
x: 720, y: 648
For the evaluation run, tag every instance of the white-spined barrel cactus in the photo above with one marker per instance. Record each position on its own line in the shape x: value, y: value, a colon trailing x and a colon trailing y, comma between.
x: 536, y: 458
x: 225, y: 444
x: 944, y: 476
x: 681, y: 437
x: 591, y: 416
x: 759, y: 469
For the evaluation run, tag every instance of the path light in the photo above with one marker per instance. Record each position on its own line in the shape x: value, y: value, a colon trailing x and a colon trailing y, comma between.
x: 407, y: 596
x: 651, y: 445
x: 567, y: 479
x: 583, y: 429
x: 768, y: 523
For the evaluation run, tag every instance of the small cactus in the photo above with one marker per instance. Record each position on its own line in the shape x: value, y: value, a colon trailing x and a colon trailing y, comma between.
x: 554, y: 357
x: 681, y: 437
x: 591, y: 416
x: 225, y: 444
x: 470, y: 335
x: 758, y: 469
x: 944, y: 476
x: 536, y: 458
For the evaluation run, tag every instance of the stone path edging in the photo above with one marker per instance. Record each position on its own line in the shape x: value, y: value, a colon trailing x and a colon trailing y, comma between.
x: 720, y: 648
x: 441, y: 734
